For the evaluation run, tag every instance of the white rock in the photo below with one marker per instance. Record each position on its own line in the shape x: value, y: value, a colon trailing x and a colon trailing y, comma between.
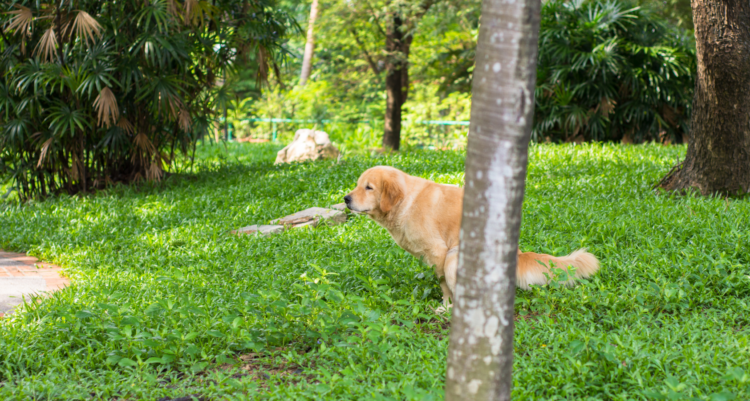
x: 307, y: 145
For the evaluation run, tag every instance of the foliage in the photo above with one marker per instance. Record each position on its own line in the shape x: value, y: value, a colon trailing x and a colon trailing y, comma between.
x: 164, y: 297
x: 676, y: 12
x: 609, y: 72
x: 345, y: 86
x: 313, y: 106
x: 98, y: 92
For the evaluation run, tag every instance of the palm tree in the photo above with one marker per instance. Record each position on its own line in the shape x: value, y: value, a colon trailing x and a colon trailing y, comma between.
x: 480, y: 356
x: 95, y: 92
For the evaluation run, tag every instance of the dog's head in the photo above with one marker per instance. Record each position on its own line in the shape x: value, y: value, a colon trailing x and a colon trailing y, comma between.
x: 378, y: 190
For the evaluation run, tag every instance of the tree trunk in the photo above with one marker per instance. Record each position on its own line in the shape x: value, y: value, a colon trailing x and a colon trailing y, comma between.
x: 480, y: 355
x: 309, y: 45
x: 718, y: 155
x: 394, y: 82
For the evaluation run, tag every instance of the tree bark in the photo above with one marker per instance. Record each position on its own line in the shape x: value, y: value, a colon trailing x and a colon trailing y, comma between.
x: 480, y: 355
x: 309, y: 45
x: 718, y: 155
x: 394, y: 82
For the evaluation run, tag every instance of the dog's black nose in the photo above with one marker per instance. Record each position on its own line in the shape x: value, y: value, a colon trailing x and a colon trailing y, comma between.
x: 348, y: 199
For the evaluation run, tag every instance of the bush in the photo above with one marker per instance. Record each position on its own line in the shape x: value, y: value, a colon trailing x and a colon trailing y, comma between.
x: 95, y: 92
x: 611, y: 71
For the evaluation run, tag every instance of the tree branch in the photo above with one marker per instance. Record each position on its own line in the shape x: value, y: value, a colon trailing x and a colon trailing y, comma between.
x: 377, y: 20
x: 362, y: 47
x: 426, y: 7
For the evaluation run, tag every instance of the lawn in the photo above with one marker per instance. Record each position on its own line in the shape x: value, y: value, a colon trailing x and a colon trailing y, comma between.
x: 166, y: 303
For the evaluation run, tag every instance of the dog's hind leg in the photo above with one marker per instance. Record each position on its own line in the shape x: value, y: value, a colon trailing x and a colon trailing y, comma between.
x: 450, y: 268
x: 448, y: 278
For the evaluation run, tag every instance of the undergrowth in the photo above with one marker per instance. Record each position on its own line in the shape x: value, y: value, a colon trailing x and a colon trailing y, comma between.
x: 166, y: 303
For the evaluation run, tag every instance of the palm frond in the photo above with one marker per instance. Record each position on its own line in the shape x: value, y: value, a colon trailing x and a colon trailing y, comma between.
x: 143, y: 144
x: 86, y: 27
x: 185, y: 121
x: 125, y: 125
x: 106, y: 107
x: 22, y: 22
x: 43, y: 153
x: 172, y: 8
x: 155, y: 170
x: 47, y: 45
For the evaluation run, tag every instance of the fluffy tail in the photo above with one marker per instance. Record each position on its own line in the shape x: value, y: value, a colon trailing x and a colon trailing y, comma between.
x: 532, y: 267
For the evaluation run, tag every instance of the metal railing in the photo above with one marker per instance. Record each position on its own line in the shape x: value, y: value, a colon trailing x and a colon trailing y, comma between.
x: 275, y: 121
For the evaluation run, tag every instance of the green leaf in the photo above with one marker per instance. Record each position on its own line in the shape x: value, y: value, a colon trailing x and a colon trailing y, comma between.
x: 126, y: 362
x: 83, y: 314
x: 575, y: 347
x: 653, y: 395
x: 153, y: 309
x: 191, y: 336
x: 722, y: 396
x: 113, y: 359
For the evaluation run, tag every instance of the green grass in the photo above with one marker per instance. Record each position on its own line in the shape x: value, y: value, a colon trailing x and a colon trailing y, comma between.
x: 164, y: 301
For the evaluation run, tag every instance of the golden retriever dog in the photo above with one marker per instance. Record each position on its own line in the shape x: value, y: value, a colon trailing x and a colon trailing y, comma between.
x: 424, y: 218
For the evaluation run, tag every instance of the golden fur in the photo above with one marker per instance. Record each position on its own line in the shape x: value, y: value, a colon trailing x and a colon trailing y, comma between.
x: 424, y: 218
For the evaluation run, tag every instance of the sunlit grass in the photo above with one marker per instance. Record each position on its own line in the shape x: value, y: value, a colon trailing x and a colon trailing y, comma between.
x: 161, y: 288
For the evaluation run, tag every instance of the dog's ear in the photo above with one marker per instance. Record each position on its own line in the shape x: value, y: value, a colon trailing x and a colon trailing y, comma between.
x: 390, y: 195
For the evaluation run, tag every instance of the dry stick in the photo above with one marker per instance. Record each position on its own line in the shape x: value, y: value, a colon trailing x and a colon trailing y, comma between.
x: 669, y: 175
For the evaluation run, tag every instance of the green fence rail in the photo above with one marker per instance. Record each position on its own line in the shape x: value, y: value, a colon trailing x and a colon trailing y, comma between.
x: 275, y: 121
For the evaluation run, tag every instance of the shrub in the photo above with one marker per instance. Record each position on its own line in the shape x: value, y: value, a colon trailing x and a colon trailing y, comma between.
x: 611, y: 71
x: 94, y: 92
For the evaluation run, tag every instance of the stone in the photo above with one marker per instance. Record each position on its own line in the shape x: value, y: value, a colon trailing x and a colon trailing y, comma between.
x: 339, y: 206
x: 262, y: 229
x: 313, y: 216
x: 307, y: 145
x: 311, y: 224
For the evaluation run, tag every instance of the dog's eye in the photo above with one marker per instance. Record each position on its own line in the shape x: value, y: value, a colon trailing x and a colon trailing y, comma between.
x: 369, y: 188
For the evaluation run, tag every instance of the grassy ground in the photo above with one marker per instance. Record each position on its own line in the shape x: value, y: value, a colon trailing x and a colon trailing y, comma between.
x: 165, y: 303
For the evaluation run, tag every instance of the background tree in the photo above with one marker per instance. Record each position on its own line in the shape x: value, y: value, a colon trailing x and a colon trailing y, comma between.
x: 480, y: 355
x: 309, y: 45
x: 96, y: 92
x: 396, y: 21
x: 644, y: 67
x: 718, y: 155
x: 350, y: 64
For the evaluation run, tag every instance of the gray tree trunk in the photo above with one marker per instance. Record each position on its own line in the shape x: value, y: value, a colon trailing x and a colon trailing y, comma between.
x: 718, y: 155
x: 480, y: 356
x: 309, y: 45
